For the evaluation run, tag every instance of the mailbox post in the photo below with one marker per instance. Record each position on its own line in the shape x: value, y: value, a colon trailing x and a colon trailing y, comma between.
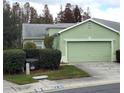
x: 29, y: 61
x: 27, y: 68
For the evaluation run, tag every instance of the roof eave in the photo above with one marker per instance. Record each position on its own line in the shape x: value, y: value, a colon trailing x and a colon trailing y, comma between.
x: 87, y: 21
x: 30, y: 38
x: 105, y: 26
x: 73, y: 26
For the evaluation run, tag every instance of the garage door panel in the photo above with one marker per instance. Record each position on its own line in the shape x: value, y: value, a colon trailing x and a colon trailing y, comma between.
x: 89, y: 51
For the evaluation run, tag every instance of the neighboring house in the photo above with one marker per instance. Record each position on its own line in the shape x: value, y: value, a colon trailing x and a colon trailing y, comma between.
x: 37, y: 32
x: 90, y: 40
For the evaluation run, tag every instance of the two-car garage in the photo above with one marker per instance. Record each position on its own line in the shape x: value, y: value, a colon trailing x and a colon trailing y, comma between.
x: 91, y: 40
x: 79, y: 51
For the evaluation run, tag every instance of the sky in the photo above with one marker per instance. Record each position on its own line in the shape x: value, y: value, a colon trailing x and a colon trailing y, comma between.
x: 104, y: 9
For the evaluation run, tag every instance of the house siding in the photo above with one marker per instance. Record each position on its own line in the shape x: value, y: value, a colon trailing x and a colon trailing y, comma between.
x: 89, y: 31
x: 56, y: 44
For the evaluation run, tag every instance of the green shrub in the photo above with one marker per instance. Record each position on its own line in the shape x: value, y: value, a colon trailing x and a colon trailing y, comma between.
x: 29, y: 45
x: 48, y: 41
x: 118, y: 56
x: 50, y: 58
x: 13, y: 61
x: 33, y: 53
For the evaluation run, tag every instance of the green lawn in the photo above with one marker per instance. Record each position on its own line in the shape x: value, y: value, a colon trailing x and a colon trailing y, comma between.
x: 65, y: 72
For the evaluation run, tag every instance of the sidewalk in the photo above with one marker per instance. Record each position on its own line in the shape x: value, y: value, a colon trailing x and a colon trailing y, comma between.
x: 48, y: 86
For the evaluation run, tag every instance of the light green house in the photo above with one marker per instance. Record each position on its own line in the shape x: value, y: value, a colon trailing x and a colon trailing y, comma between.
x: 36, y: 32
x: 90, y: 40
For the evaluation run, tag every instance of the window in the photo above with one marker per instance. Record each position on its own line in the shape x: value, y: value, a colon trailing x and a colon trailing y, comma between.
x: 39, y: 43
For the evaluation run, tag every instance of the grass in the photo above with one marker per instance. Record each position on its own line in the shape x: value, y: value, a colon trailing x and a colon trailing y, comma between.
x: 65, y: 72
x: 20, y: 79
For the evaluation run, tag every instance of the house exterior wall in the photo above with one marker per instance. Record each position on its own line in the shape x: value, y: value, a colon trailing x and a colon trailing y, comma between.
x: 56, y: 44
x: 88, y: 31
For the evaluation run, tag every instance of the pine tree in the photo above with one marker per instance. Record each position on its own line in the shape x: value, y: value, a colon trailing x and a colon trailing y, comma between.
x: 26, y: 13
x: 77, y: 14
x: 17, y: 22
x: 47, y: 17
x: 33, y: 16
x: 11, y: 29
x: 86, y: 14
x: 16, y: 9
x: 6, y: 25
x: 60, y: 16
x: 67, y: 15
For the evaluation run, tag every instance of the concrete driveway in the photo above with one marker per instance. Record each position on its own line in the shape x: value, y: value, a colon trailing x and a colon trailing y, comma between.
x: 101, y: 69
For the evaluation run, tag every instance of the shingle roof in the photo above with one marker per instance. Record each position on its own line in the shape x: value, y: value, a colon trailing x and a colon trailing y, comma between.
x: 39, y: 30
x: 112, y: 24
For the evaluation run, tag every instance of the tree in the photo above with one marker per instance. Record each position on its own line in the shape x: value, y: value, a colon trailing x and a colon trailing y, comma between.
x: 77, y: 14
x: 17, y: 22
x: 60, y: 16
x: 16, y: 10
x: 67, y: 16
x: 26, y: 13
x: 86, y: 15
x: 47, y: 17
x: 17, y: 30
x: 33, y: 16
x: 38, y: 20
x: 11, y: 28
x: 6, y: 26
x: 6, y: 5
x: 68, y: 5
x: 48, y: 41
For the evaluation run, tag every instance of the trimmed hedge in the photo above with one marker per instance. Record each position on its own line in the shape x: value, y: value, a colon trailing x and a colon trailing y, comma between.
x: 50, y: 58
x: 47, y: 58
x: 32, y: 53
x: 13, y: 61
x: 29, y: 45
x: 118, y: 56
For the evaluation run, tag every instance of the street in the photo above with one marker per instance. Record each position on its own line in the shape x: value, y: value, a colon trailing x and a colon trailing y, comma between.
x: 109, y: 88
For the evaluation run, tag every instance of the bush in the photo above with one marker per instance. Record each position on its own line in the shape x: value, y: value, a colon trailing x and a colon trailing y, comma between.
x: 33, y: 53
x: 29, y: 45
x: 50, y: 58
x: 13, y: 61
x: 48, y: 41
x: 118, y: 56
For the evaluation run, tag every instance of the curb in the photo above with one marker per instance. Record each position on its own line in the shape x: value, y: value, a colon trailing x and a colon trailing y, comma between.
x: 69, y: 86
x: 65, y: 86
x: 79, y: 85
